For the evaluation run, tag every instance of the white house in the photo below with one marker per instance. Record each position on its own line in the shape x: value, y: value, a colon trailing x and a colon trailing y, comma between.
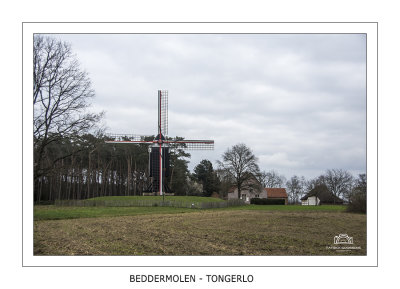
x: 255, y: 190
x: 320, y: 195
x: 247, y: 193
x: 310, y: 201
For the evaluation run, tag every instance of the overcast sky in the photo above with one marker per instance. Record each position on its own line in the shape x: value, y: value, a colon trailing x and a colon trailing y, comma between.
x: 297, y: 100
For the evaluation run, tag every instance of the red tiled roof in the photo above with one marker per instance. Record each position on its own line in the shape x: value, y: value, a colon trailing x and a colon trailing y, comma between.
x: 276, y: 192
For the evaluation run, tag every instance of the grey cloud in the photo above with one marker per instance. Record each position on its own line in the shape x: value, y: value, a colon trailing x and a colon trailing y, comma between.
x: 298, y: 100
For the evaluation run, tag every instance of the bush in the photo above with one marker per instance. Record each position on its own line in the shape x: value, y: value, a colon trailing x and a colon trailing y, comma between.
x: 358, y: 202
x: 264, y: 201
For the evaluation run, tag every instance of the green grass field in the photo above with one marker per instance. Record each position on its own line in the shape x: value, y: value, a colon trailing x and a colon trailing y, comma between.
x: 149, y: 201
x: 158, y: 198
x: 72, y: 212
x: 242, y: 230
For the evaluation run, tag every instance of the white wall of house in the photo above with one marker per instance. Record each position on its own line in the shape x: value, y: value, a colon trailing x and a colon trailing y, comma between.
x: 247, y: 195
x: 311, y: 201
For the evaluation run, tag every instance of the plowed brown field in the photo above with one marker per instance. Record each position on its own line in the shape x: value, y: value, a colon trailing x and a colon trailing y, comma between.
x: 216, y: 232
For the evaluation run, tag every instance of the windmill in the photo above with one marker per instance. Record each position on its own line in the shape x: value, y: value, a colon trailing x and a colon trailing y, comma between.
x: 159, y: 147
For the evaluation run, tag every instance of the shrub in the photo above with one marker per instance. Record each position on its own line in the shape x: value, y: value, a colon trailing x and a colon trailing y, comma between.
x: 264, y: 201
x: 358, y: 202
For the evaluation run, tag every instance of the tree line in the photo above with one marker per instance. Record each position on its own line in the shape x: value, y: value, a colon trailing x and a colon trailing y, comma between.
x: 87, y: 167
x: 239, y: 165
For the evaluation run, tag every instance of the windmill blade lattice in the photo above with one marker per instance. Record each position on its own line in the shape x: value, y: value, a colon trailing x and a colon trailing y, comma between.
x: 163, y: 110
x: 192, y: 144
x: 134, y: 138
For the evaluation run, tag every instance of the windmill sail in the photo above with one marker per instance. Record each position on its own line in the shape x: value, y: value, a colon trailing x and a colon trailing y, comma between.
x: 127, y: 138
x: 163, y: 112
x: 192, y: 144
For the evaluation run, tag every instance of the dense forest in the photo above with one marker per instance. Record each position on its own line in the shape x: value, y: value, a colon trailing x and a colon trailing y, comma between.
x: 86, y: 167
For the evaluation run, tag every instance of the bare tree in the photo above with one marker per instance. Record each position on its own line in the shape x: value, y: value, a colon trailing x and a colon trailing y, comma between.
x: 361, y: 183
x: 61, y: 94
x: 262, y: 178
x: 358, y: 196
x: 241, y: 164
x: 295, y: 188
x: 312, y: 183
x: 339, y: 182
x: 273, y: 180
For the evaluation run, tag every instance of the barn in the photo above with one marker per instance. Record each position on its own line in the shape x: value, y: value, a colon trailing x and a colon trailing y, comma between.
x: 277, y: 194
x: 320, y: 195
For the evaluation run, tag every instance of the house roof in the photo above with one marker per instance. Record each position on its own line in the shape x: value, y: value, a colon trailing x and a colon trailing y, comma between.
x: 276, y: 193
x: 323, y: 194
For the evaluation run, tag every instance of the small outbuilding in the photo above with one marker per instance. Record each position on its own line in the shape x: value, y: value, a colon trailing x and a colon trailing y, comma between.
x: 277, y: 194
x: 320, y: 195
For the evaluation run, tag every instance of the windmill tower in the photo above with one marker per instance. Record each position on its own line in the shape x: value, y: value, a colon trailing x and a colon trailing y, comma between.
x: 159, y: 147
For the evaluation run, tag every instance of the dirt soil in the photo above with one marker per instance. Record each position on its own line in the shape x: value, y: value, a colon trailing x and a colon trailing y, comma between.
x: 203, y: 233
